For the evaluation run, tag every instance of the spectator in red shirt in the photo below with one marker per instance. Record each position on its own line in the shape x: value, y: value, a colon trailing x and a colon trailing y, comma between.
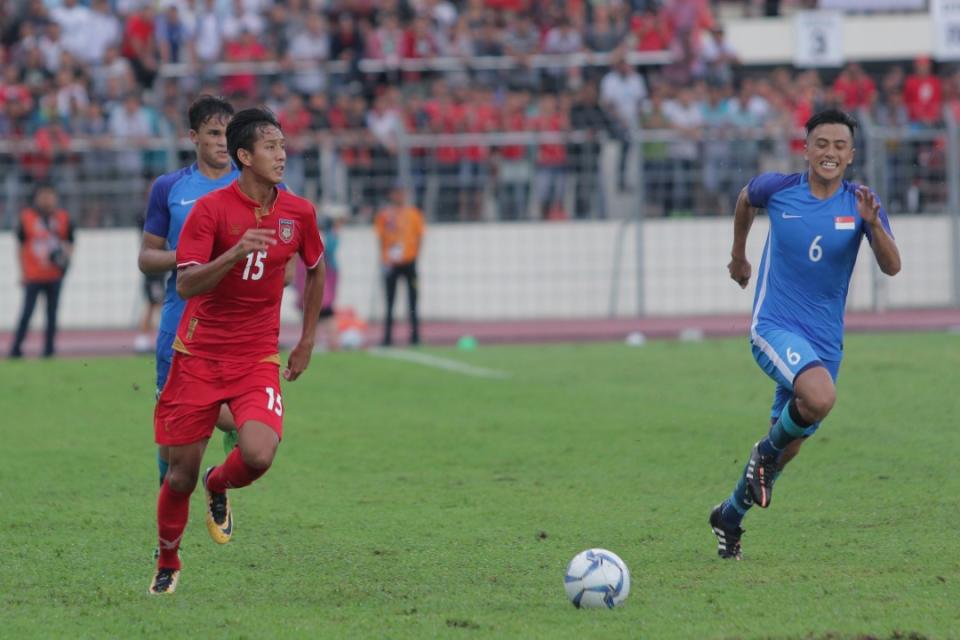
x: 348, y: 121
x: 687, y: 18
x: 446, y: 117
x: 51, y: 151
x: 551, y: 159
x: 922, y: 94
x: 386, y: 43
x: 510, y: 6
x: 295, y: 122
x: 951, y: 94
x: 243, y: 86
x: 651, y: 30
x: 140, y: 45
x: 419, y: 42
x: 801, y: 108
x: 514, y: 171
x: 481, y: 115
x: 856, y: 88
x: 15, y: 98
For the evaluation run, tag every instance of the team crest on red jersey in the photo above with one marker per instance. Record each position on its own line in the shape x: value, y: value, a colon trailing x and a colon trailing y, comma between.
x: 286, y: 230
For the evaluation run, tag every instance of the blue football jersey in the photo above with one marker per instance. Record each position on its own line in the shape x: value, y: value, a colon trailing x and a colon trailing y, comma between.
x: 808, y: 259
x: 171, y: 199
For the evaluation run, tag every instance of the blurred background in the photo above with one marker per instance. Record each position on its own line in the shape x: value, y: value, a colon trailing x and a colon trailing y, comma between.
x: 576, y: 161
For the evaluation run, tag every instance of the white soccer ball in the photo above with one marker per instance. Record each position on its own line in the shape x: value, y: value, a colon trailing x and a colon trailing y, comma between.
x: 351, y: 339
x: 597, y: 578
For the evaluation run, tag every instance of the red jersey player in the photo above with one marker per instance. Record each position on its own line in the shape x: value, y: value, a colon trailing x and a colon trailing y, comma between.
x: 230, y: 270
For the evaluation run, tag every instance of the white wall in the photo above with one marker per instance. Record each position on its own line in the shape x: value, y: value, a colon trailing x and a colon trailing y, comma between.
x: 514, y: 271
x: 865, y: 37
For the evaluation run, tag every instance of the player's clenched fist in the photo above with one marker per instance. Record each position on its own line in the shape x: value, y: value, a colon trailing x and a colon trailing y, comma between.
x: 255, y: 240
x: 740, y: 271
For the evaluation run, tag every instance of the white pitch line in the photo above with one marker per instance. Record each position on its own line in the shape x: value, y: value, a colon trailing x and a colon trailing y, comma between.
x: 438, y: 363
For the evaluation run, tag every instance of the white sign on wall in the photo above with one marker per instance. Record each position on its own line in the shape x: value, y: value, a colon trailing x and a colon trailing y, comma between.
x: 945, y: 18
x: 874, y: 5
x: 818, y: 39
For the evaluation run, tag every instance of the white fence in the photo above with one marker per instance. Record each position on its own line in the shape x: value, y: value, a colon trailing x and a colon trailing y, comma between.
x: 522, y: 271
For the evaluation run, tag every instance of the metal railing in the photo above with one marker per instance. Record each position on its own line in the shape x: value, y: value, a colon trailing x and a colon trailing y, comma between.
x: 413, y: 65
x: 501, y: 176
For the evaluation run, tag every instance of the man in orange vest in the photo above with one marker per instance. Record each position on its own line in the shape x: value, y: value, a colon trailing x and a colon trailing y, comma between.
x: 45, y: 233
x: 400, y: 228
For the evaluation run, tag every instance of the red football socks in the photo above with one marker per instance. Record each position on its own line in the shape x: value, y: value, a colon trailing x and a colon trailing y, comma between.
x: 233, y: 473
x: 172, y: 510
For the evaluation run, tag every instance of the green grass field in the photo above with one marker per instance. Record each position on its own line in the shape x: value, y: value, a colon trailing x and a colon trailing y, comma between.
x: 414, y: 502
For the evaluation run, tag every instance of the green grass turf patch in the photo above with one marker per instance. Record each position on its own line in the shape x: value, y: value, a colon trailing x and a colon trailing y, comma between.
x: 412, y: 502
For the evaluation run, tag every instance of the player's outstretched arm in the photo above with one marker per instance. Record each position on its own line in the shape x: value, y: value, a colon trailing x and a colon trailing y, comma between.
x: 196, y: 279
x: 312, y: 301
x: 883, y: 245
x: 155, y: 258
x: 739, y: 267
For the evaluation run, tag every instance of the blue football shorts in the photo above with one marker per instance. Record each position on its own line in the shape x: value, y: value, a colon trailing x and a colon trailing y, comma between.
x: 783, y: 356
x: 164, y: 357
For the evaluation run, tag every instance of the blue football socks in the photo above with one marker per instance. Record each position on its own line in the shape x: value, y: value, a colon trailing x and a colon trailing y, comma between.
x: 736, y: 506
x: 789, y: 427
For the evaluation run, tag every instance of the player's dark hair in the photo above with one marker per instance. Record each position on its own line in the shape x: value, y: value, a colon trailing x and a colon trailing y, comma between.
x: 206, y: 107
x: 831, y: 116
x: 245, y: 127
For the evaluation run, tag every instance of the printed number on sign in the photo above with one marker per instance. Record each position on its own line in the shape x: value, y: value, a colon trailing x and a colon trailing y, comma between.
x: 254, y: 264
x: 792, y: 356
x: 816, y: 251
x: 274, y: 401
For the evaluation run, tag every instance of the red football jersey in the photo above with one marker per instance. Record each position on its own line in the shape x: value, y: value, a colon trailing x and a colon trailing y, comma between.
x: 239, y: 319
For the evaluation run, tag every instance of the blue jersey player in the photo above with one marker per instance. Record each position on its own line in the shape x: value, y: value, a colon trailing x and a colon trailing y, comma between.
x: 817, y: 221
x: 171, y: 199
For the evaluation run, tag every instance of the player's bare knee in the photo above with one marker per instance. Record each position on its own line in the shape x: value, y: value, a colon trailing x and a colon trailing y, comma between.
x: 182, y: 479
x: 816, y: 406
x: 260, y: 457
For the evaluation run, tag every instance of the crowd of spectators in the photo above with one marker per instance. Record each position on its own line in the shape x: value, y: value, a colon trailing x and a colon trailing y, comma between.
x: 101, y: 70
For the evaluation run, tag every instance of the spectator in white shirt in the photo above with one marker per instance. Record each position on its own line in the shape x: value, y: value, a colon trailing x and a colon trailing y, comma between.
x: 685, y: 115
x: 386, y: 124
x: 112, y: 70
x: 208, y: 36
x: 561, y: 39
x: 622, y: 92
x: 240, y: 21
x: 717, y: 57
x: 72, y: 97
x: 104, y: 32
x: 308, y: 50
x: 51, y: 47
x: 130, y: 123
x: 75, y: 25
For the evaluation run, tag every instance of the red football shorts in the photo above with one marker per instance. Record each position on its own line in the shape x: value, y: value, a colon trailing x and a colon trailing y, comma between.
x: 190, y: 401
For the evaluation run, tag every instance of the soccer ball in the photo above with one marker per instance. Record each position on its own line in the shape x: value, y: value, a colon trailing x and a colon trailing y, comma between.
x: 597, y: 578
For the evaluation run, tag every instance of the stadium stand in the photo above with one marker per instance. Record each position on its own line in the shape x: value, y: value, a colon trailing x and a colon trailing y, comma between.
x: 515, y: 111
